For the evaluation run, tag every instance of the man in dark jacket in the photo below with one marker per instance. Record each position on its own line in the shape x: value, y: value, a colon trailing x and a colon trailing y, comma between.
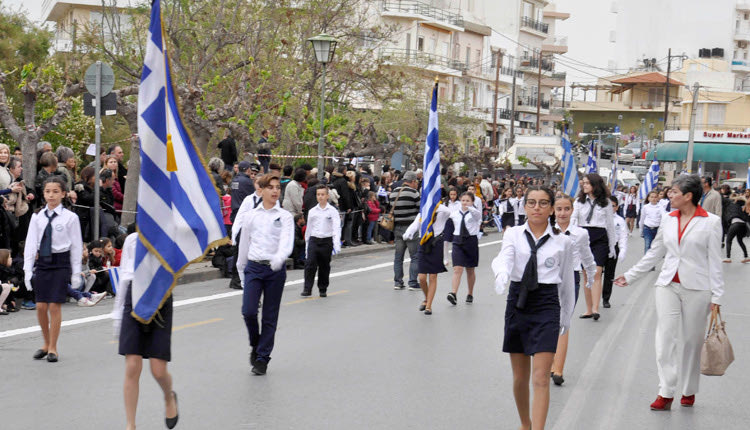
x: 263, y: 151
x: 241, y: 187
x: 228, y: 149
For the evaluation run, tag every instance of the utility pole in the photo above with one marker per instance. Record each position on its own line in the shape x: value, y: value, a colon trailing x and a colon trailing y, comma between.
x: 691, y: 135
x: 513, y: 103
x: 539, y: 94
x: 666, y: 93
x: 598, y: 150
x: 495, y: 143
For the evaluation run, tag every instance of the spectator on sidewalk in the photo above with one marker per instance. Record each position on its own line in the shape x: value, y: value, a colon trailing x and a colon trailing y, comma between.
x: 372, y: 216
x: 228, y: 149
x: 242, y: 186
x: 711, y: 199
x: 264, y: 151
x: 294, y: 192
x: 405, y: 201
x: 122, y: 171
x: 66, y: 160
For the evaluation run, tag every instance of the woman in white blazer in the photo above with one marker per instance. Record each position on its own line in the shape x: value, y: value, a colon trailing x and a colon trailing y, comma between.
x: 690, y: 284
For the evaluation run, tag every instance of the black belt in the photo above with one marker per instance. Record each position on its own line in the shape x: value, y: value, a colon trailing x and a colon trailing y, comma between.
x: 321, y: 239
x: 262, y: 262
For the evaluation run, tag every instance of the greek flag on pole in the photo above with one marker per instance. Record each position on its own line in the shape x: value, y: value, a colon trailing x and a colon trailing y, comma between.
x: 591, y: 163
x: 430, y: 198
x: 650, y: 180
x: 179, y: 211
x: 114, y: 278
x: 569, y: 169
x: 613, y: 176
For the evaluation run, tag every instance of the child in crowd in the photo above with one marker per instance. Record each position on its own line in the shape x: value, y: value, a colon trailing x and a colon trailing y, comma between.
x: 96, y: 264
x: 226, y: 210
x: 119, y: 242
x: 108, y: 252
x: 298, y: 254
x: 373, y: 215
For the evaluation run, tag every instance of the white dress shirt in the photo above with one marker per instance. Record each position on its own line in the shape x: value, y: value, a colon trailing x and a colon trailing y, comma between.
x: 456, y: 204
x: 651, y: 215
x: 622, y: 236
x: 603, y: 218
x: 473, y: 219
x: 519, y: 207
x: 554, y: 265
x: 127, y: 268
x: 66, y: 236
x: 266, y: 235
x: 582, y: 256
x: 442, y: 216
x: 478, y: 203
x: 324, y: 222
x: 251, y: 202
x: 631, y: 199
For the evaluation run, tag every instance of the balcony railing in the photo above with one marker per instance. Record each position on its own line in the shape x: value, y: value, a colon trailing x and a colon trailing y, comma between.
x: 534, y: 24
x: 489, y: 70
x: 532, y: 102
x: 421, y: 59
x: 559, y: 76
x: 505, y: 114
x: 533, y: 63
x: 424, y: 9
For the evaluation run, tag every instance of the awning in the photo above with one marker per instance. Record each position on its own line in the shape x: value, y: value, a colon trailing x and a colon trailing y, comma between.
x: 706, y: 152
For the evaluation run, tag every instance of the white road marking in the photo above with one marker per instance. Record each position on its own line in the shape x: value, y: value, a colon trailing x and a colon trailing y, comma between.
x: 194, y: 300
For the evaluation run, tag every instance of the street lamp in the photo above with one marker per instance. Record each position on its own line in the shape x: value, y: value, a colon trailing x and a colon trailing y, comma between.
x: 324, y: 47
x: 651, y: 131
x: 643, y: 130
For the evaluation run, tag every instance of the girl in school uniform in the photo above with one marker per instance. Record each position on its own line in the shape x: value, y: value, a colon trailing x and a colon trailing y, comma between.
x: 537, y: 260
x: 430, y: 253
x: 582, y: 259
x: 507, y: 213
x: 466, y: 222
x: 519, y: 209
x: 322, y: 238
x: 651, y: 215
x: 138, y: 341
x: 51, y: 261
x: 452, y: 203
x: 631, y: 207
x: 593, y: 211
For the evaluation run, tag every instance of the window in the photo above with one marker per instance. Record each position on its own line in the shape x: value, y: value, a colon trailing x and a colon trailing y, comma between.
x: 478, y: 57
x: 746, y: 17
x: 655, y: 96
x: 528, y: 10
x: 420, y: 43
x: 441, y: 92
x: 433, y: 46
x: 468, y: 55
x: 716, y: 113
x: 446, y: 50
x: 408, y: 43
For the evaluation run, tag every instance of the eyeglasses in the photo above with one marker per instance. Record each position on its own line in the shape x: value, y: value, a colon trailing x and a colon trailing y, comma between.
x: 542, y: 203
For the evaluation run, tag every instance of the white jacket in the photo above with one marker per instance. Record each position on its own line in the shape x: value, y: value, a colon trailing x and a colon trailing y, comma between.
x: 697, y: 255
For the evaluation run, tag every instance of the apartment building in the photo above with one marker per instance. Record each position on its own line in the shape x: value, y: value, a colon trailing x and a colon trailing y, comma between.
x: 72, y: 16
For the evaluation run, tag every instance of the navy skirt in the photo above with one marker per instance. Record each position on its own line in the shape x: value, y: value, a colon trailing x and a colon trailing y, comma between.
x: 448, y: 231
x: 508, y: 219
x: 465, y: 251
x: 430, y: 256
x: 599, y: 244
x: 631, y: 212
x: 52, y: 277
x: 536, y: 327
x: 152, y: 340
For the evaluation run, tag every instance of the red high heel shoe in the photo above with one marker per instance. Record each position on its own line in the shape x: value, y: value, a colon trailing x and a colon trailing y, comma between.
x: 662, y: 404
x: 687, y: 401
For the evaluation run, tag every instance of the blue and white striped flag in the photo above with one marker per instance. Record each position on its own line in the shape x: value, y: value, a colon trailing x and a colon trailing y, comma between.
x: 700, y: 168
x: 498, y: 222
x: 569, y: 168
x: 747, y: 181
x: 179, y: 211
x: 650, y: 180
x: 591, y: 166
x: 430, y: 198
x: 613, y: 175
x: 114, y: 278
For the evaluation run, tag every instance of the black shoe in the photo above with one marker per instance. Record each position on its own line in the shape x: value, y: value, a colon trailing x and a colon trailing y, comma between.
x: 469, y: 299
x: 423, y: 306
x: 323, y: 294
x: 428, y: 311
x: 557, y: 379
x: 452, y: 298
x: 596, y: 316
x: 260, y: 368
x: 399, y: 287
x: 253, y: 357
x: 172, y: 422
x: 606, y: 304
x: 305, y: 293
x: 585, y: 316
x: 235, y: 284
x: 39, y: 354
x: 52, y: 357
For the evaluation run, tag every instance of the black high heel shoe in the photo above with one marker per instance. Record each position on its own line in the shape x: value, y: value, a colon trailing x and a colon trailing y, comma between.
x: 172, y: 422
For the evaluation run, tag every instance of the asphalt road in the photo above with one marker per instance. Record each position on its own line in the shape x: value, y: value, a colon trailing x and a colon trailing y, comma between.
x: 365, y: 358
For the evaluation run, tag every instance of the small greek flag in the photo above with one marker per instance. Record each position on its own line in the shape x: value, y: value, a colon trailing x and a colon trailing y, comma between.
x: 430, y: 198
x: 700, y: 168
x: 498, y: 202
x: 591, y: 163
x: 114, y: 278
x: 498, y: 222
x: 650, y: 181
x: 569, y: 169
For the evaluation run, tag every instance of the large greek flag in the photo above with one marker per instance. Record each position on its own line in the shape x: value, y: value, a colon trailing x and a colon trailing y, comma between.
x: 179, y: 212
x: 569, y: 168
x: 591, y: 163
x: 430, y: 198
x: 650, y: 180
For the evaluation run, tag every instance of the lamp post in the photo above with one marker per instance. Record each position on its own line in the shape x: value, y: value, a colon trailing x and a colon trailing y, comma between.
x: 324, y: 47
x: 651, y: 131
x: 643, y: 130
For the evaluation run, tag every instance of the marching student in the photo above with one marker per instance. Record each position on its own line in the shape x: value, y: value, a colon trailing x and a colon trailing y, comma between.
x: 691, y: 284
x: 249, y: 203
x: 537, y: 260
x: 621, y: 248
x: 452, y: 203
x: 51, y: 261
x: 519, y: 208
x: 651, y: 215
x: 466, y: 222
x: 323, y: 238
x: 631, y: 207
x: 582, y: 259
x: 430, y: 253
x: 138, y: 341
x: 593, y: 211
x: 507, y: 212
x: 267, y: 239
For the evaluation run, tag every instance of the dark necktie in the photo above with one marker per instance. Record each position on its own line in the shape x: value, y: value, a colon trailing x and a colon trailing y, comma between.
x: 530, y: 278
x: 258, y: 201
x: 45, y: 247
x: 591, y: 212
x: 464, y: 231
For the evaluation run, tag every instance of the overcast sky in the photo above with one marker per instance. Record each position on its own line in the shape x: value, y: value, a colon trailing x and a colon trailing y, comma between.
x: 33, y: 7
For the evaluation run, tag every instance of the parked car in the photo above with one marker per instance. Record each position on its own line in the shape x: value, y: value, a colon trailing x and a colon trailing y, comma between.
x: 607, y: 150
x: 626, y: 155
x: 639, y: 162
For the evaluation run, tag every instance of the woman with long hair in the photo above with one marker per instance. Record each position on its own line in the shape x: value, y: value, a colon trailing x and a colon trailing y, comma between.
x: 537, y: 260
x: 690, y: 285
x: 117, y: 191
x: 452, y: 203
x: 631, y: 207
x: 593, y: 211
x: 466, y: 222
x: 507, y: 215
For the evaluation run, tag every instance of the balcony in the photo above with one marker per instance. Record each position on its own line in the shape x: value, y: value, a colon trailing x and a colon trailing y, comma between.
x: 558, y: 45
x: 506, y: 73
x: 54, y: 10
x: 740, y: 66
x: 531, y: 65
x: 485, y: 114
x: 556, y: 80
x: 742, y: 33
x: 424, y: 12
x: 537, y: 27
x: 423, y: 60
x: 529, y: 103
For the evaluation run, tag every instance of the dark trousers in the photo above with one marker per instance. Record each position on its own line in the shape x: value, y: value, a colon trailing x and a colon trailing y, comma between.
x: 318, y: 260
x: 260, y: 280
x: 608, y: 275
x: 235, y: 282
x: 736, y: 230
